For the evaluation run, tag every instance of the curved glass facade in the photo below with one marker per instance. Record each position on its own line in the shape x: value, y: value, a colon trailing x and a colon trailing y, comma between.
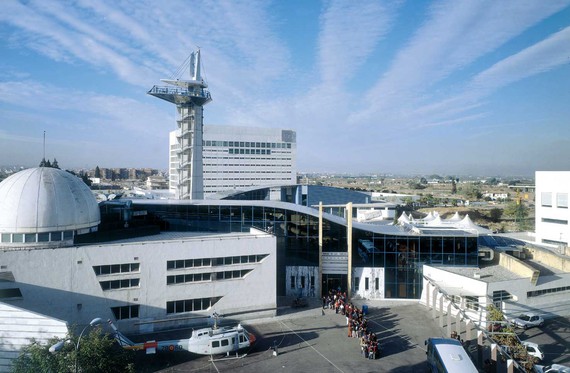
x: 297, y: 230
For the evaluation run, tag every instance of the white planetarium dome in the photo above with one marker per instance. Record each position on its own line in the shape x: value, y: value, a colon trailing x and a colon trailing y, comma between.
x: 45, y: 199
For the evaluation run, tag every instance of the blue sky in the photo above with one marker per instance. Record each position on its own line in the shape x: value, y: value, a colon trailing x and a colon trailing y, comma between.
x: 448, y: 87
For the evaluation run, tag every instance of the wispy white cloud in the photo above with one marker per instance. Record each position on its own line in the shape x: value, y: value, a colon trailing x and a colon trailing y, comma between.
x: 545, y: 55
x: 93, y: 110
x: 538, y: 58
x: 454, y: 35
x: 60, y: 34
x: 7, y: 136
x: 142, y: 43
x: 349, y: 33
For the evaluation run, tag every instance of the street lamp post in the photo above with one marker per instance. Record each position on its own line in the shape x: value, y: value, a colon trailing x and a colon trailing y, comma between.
x: 59, y: 345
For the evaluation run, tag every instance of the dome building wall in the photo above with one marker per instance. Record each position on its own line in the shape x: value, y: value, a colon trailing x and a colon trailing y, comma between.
x: 45, y: 207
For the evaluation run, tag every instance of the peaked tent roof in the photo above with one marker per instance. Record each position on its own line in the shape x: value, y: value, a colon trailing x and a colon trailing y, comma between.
x: 454, y: 218
x: 403, y: 218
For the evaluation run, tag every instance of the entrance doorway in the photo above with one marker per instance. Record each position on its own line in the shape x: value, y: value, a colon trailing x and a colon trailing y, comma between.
x: 333, y: 282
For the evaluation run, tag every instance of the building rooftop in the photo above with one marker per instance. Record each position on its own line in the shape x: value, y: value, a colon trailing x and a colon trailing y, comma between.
x: 183, y: 236
x: 489, y: 274
x: 495, y: 273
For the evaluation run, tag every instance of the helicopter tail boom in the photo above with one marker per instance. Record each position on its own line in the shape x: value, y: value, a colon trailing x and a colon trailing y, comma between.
x: 122, y: 340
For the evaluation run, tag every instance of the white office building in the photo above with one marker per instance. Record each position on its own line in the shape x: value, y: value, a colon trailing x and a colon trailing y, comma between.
x: 238, y: 158
x: 551, y: 212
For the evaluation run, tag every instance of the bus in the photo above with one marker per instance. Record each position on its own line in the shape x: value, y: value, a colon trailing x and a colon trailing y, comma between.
x: 446, y: 355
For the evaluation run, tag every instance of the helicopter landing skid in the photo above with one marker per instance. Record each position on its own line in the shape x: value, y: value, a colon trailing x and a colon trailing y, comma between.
x: 228, y: 357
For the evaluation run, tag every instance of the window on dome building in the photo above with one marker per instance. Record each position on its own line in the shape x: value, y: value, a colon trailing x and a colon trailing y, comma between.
x: 43, y: 237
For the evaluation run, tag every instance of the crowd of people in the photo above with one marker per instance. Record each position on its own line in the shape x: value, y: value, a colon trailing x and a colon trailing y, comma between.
x: 357, y: 324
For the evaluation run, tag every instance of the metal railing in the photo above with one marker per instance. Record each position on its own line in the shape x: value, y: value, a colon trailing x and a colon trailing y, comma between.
x: 195, y: 92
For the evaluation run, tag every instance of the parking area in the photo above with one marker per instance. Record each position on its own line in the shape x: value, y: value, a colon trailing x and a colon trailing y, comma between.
x: 311, y: 340
x: 553, y: 338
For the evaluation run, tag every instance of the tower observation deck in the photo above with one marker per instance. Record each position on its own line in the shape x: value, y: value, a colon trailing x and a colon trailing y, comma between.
x: 189, y: 96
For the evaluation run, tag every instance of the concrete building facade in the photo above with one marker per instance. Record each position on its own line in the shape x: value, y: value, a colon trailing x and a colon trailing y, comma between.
x: 239, y: 158
x: 236, y: 158
x: 552, y: 213
x: 146, y: 278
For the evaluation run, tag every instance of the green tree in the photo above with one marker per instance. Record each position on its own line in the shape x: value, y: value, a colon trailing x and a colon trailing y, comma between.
x: 97, y: 172
x: 97, y: 353
x: 36, y: 357
x: 517, y: 210
x: 495, y: 214
x: 492, y: 181
x: 408, y: 201
x: 415, y: 185
x: 453, y: 187
x: 427, y: 199
x: 471, y: 191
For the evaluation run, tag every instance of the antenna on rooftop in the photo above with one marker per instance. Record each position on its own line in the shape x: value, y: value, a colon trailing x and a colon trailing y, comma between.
x: 43, y: 162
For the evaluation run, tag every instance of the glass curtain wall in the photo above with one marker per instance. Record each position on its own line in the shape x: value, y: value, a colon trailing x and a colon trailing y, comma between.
x: 401, y: 256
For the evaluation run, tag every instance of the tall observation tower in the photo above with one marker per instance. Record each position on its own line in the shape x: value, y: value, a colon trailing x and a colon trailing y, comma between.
x: 189, y: 96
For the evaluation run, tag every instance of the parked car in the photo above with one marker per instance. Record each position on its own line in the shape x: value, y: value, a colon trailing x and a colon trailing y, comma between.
x: 533, y: 350
x: 527, y: 320
x: 554, y: 368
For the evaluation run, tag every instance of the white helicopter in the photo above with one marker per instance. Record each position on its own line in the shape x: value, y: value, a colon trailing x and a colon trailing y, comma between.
x: 211, y: 341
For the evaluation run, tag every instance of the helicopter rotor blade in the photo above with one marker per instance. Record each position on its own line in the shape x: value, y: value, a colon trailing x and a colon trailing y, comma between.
x: 212, y: 316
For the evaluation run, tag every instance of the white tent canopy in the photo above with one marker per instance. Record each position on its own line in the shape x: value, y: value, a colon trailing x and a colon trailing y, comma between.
x: 434, y: 220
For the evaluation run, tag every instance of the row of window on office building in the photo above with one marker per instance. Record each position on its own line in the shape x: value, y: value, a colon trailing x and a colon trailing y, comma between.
x: 247, y: 144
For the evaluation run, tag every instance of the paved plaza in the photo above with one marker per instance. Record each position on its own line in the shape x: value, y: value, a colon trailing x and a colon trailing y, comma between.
x: 313, y: 340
